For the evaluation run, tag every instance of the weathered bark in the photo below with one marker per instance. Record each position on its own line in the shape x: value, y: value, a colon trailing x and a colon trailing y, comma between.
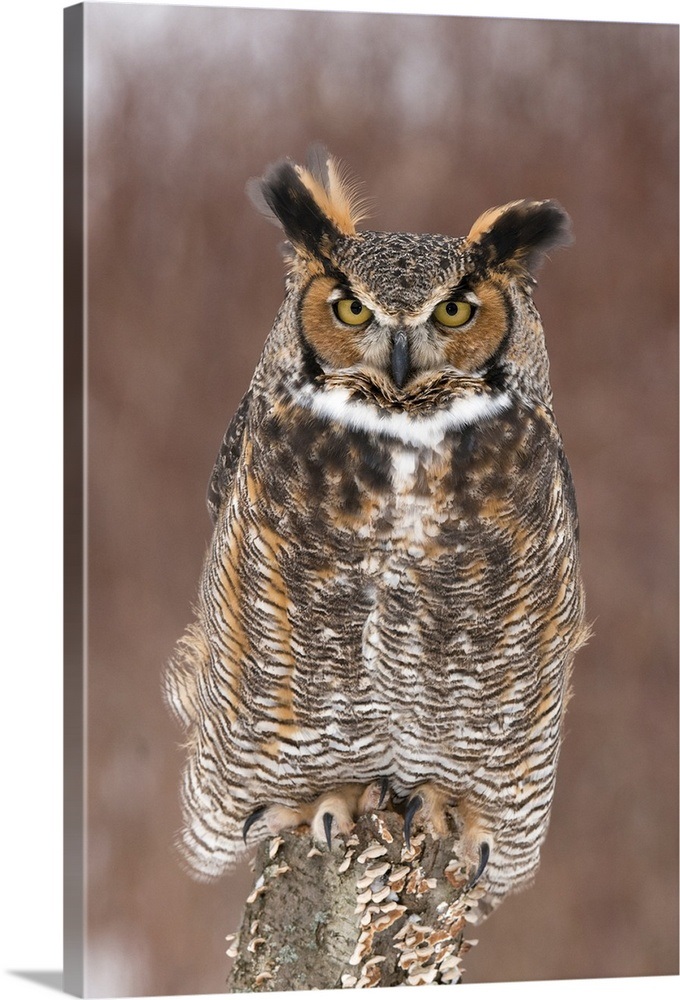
x: 369, y: 912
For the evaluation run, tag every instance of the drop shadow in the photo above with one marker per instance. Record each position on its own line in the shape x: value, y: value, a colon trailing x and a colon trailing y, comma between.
x: 51, y: 980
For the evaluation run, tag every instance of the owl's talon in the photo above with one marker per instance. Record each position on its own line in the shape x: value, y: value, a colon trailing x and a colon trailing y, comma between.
x: 483, y: 859
x: 384, y: 789
x: 411, y: 809
x: 327, y: 826
x: 253, y: 818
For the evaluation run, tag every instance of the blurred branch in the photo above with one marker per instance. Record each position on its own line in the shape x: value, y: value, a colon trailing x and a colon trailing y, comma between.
x: 370, y: 912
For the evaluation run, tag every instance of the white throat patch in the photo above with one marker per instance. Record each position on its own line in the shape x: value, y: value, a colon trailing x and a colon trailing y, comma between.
x: 427, y: 432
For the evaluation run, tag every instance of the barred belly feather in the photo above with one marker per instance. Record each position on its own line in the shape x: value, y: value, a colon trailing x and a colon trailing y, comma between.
x: 398, y: 639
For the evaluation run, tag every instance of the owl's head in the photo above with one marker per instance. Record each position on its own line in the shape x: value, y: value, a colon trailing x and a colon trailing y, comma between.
x: 403, y: 310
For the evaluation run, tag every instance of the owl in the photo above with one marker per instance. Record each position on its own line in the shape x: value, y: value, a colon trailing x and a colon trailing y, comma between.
x: 391, y: 601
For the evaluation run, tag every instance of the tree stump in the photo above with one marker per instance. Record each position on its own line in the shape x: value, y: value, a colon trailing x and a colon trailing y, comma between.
x: 367, y: 912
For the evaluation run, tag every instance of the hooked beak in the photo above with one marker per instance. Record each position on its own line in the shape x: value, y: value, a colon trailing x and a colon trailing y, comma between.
x: 400, y: 358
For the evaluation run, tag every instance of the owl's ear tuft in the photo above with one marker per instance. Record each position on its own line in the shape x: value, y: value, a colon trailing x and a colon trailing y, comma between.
x: 519, y: 234
x: 333, y: 189
x: 284, y: 199
x: 314, y: 204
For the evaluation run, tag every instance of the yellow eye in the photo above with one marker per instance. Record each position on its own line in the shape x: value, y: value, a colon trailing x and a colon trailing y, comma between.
x: 453, y: 312
x: 352, y: 312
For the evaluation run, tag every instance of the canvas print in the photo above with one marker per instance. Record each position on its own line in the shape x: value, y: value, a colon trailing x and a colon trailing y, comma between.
x: 379, y: 511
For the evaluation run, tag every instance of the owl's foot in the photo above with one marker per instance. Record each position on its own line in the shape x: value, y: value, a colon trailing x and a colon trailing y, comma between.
x: 484, y: 851
x: 476, y: 842
x: 333, y: 811
x: 427, y: 807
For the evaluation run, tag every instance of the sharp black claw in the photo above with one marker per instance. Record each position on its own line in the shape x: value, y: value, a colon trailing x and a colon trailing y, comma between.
x: 327, y: 825
x: 253, y: 818
x: 483, y: 858
x: 411, y: 809
x: 384, y: 789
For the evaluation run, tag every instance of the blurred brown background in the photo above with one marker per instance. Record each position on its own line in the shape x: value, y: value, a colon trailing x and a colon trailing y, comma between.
x: 443, y: 118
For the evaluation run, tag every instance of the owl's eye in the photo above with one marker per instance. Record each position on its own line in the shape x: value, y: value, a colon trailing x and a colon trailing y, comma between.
x: 352, y: 312
x: 453, y: 312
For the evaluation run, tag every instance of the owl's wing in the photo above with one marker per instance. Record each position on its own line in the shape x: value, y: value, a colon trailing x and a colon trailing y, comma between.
x: 568, y: 488
x: 226, y: 460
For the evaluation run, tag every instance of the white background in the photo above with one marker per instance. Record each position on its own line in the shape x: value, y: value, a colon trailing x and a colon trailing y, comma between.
x: 31, y: 457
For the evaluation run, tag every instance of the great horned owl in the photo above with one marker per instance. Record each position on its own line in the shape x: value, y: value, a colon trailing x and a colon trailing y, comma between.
x: 392, y: 597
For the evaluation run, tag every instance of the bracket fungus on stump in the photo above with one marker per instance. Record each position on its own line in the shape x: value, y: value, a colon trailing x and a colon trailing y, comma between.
x: 368, y: 912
